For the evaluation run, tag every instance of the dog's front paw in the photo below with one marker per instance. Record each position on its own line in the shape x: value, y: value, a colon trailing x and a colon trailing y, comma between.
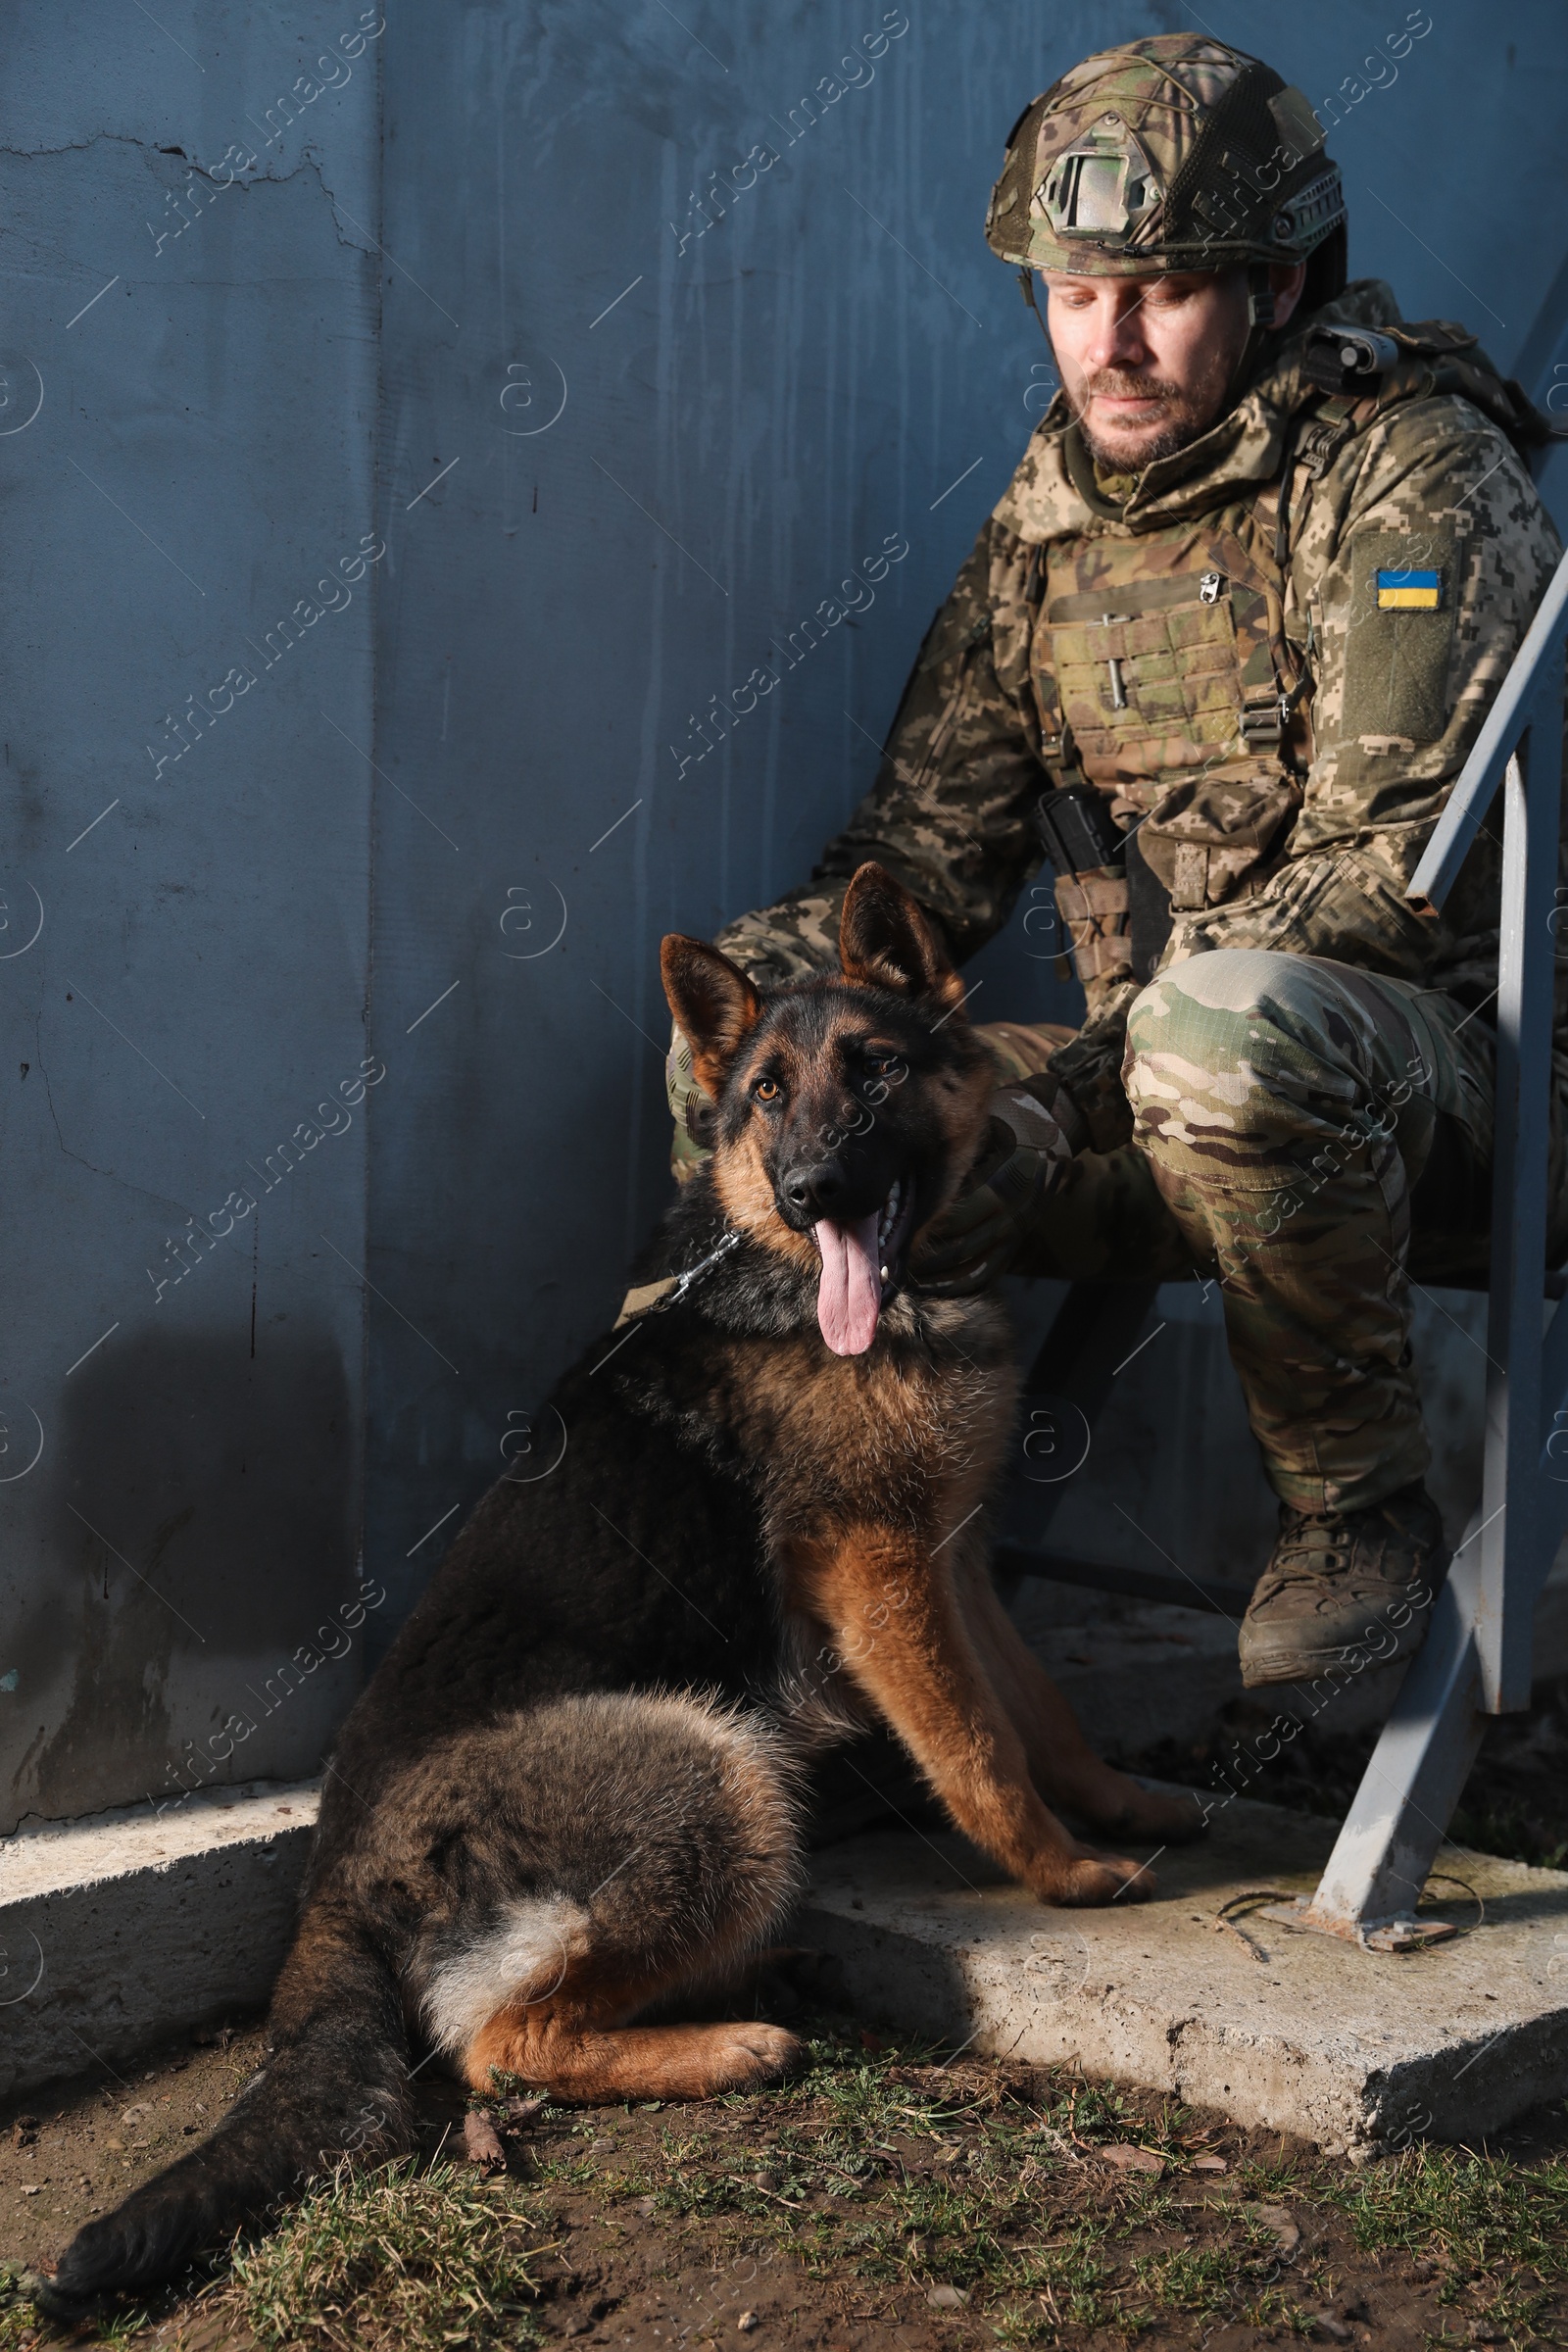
x: 756, y: 2054
x: 1087, y: 1882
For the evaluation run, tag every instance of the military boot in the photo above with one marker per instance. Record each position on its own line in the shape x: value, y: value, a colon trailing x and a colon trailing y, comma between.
x: 1342, y: 1584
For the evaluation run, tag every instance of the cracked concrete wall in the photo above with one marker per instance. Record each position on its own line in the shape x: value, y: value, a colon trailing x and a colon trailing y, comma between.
x: 187, y: 816
x: 650, y: 427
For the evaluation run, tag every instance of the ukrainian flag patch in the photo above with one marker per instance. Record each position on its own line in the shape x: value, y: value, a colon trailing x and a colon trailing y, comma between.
x: 1409, y: 591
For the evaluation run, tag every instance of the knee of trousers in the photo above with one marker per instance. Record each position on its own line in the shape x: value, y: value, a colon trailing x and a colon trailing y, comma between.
x: 1230, y: 1056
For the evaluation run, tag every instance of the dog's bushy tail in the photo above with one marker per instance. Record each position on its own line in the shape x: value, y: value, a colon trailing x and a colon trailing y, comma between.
x: 336, y: 2085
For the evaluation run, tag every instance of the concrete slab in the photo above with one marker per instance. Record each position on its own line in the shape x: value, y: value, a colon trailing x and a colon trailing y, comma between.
x: 1270, y: 2025
x: 128, y: 1925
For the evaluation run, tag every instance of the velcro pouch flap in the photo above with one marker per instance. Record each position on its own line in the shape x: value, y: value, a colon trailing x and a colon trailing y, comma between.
x: 1207, y: 838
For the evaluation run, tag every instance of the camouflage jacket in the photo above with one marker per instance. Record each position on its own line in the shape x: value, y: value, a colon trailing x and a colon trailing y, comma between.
x: 1277, y: 702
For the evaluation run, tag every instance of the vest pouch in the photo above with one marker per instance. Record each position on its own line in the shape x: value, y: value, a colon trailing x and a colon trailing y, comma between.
x: 1147, y: 670
x: 1093, y: 907
x: 1211, y: 838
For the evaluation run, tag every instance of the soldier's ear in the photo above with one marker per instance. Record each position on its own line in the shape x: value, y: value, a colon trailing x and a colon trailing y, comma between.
x: 886, y: 940
x: 713, y: 1003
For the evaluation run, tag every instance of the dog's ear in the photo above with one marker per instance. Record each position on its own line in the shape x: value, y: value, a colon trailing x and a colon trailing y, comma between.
x: 886, y: 941
x: 714, y: 1005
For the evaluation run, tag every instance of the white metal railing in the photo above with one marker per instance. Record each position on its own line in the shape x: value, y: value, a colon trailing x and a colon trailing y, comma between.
x: 1477, y: 1657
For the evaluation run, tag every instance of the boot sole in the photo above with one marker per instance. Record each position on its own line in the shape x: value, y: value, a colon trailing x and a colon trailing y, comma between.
x: 1305, y: 1666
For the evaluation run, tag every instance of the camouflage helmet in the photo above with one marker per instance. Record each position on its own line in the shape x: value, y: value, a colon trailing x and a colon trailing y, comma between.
x: 1172, y: 153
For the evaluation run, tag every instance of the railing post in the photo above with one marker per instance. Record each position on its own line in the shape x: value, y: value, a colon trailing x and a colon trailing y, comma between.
x: 1478, y: 1652
x: 1510, y: 1531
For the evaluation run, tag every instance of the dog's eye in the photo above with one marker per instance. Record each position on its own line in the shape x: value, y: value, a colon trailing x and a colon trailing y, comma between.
x: 764, y: 1091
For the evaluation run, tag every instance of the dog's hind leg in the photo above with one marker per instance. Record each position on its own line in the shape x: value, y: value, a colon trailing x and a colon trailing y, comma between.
x: 634, y: 1847
x: 571, y: 2046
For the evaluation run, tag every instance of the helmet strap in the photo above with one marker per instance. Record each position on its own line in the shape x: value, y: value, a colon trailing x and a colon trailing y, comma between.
x: 1261, y: 325
x: 1260, y: 294
x: 1026, y: 283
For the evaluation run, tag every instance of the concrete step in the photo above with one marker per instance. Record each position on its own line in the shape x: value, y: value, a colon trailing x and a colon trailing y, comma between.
x: 126, y: 1926
x: 1357, y: 2051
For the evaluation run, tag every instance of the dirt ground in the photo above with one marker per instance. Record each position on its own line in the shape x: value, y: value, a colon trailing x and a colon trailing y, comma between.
x: 889, y: 2197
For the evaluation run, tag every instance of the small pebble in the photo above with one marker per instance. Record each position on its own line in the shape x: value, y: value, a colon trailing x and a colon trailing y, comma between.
x: 747, y: 2321
x: 946, y: 2298
x: 1286, y: 2235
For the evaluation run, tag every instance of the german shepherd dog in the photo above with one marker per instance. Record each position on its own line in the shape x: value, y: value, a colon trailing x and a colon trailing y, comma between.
x: 571, y: 1796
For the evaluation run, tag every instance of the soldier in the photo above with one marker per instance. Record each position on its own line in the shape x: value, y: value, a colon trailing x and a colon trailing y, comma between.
x: 1219, y: 652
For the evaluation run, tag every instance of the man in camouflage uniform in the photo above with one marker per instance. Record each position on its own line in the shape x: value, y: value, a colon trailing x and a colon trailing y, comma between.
x: 1221, y: 649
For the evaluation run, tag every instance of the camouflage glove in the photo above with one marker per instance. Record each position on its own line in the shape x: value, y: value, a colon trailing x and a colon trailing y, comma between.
x: 689, y: 1108
x: 979, y: 1237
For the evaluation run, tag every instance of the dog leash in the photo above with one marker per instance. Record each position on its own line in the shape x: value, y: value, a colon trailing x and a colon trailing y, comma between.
x: 654, y: 1298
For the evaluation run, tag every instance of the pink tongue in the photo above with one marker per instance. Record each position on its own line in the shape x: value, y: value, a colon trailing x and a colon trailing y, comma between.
x: 848, y: 1296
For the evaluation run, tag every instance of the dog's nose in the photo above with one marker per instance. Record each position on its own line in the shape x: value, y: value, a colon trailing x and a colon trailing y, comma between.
x: 818, y: 1191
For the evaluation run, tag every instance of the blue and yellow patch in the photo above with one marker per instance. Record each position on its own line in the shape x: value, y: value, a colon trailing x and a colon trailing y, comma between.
x: 1409, y: 591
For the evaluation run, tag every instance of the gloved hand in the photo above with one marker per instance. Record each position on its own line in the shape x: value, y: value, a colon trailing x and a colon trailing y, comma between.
x: 978, y: 1238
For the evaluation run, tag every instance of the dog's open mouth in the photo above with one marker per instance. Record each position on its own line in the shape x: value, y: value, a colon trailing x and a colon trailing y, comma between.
x: 860, y: 1262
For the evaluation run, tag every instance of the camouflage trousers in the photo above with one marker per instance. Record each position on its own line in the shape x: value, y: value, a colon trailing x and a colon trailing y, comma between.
x: 1313, y: 1138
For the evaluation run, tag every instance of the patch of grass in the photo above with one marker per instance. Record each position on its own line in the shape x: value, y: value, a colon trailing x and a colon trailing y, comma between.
x: 1482, y: 2218
x: 885, y: 2171
x: 393, y: 2260
x: 20, y: 2317
x: 893, y: 2171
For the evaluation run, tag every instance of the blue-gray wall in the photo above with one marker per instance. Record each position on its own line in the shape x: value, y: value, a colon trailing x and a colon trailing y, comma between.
x: 465, y: 303
x: 202, y: 459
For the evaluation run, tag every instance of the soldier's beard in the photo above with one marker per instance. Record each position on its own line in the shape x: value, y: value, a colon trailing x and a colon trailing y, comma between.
x: 1129, y: 448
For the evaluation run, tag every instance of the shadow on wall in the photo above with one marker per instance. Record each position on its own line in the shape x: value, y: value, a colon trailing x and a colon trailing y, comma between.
x: 205, y: 1506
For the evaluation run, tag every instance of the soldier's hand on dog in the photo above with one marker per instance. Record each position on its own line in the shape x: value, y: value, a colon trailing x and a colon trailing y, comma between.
x: 978, y: 1236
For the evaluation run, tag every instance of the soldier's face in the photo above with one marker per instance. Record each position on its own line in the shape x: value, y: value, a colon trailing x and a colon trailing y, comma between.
x: 1146, y: 362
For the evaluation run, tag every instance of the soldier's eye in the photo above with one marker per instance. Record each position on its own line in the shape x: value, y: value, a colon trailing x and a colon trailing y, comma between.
x: 764, y: 1091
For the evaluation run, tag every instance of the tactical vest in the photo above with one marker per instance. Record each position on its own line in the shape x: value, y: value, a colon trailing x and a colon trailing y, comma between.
x: 1171, y: 682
